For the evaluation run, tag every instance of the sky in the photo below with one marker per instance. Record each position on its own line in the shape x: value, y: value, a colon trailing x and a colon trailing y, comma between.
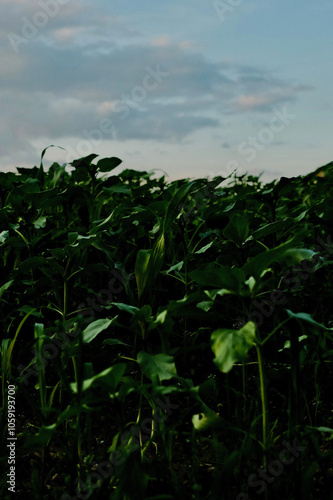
x: 191, y: 88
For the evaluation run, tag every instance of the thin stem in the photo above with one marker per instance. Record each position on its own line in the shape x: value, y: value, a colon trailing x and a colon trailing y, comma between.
x: 263, y: 401
x: 273, y: 331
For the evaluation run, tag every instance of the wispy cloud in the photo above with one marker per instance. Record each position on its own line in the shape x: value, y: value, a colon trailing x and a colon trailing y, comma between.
x: 83, y: 67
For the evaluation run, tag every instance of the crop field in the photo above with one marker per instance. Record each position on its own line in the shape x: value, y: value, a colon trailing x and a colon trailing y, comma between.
x: 165, y: 339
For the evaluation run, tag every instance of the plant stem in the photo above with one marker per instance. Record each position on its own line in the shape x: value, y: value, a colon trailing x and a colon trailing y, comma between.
x: 263, y: 400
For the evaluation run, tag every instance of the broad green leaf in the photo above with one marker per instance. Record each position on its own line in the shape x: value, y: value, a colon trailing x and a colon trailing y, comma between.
x: 212, y: 294
x: 40, y: 222
x: 85, y: 161
x: 205, y: 305
x: 202, y: 421
x: 271, y: 228
x: 42, y: 437
x: 250, y: 283
x: 306, y: 317
x: 141, y: 269
x: 44, y: 151
x: 324, y: 429
x: 94, y: 329
x: 229, y: 207
x: 144, y: 314
x: 174, y: 204
x: 287, y: 342
x: 115, y: 342
x: 148, y: 264
x: 157, y: 367
x: 209, y: 419
x: 219, y: 277
x: 255, y: 266
x: 125, y: 307
x: 118, y: 188
x: 3, y: 236
x: 160, y: 318
x: 206, y: 247
x: 296, y: 256
x: 237, y: 229
x: 109, y: 378
x: 32, y: 263
x: 72, y: 237
x: 176, y: 267
x: 301, y: 216
x: 108, y: 164
x: 231, y: 346
x: 5, y: 287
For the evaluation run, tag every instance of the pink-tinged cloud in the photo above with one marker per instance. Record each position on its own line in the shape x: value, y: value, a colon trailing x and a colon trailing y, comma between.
x: 106, y: 108
x: 186, y: 44
x: 68, y: 34
x: 247, y: 102
x: 160, y: 41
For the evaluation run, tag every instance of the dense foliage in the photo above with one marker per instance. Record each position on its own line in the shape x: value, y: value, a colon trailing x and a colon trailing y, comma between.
x: 166, y: 339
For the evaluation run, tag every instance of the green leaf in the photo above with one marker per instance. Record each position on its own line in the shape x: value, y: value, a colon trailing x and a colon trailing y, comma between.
x: 125, y: 307
x: 144, y: 314
x: 32, y: 263
x: 5, y: 287
x: 174, y: 205
x: 40, y: 222
x: 157, y: 367
x: 3, y: 236
x: 237, y: 229
x: 231, y: 346
x: 12, y: 343
x: 94, y: 329
x: 263, y: 260
x: 306, y: 317
x: 219, y: 277
x: 44, y: 151
x: 206, y: 247
x: 109, y: 378
x: 205, y: 305
x: 211, y: 294
x: 115, y: 342
x: 296, y: 256
x: 42, y: 437
x: 202, y: 421
x: 148, y: 264
x: 85, y: 161
x: 324, y: 429
x: 270, y: 228
x: 108, y: 164
x: 118, y: 188
x: 176, y: 267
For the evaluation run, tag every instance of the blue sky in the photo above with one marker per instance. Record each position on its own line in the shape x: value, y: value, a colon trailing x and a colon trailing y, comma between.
x: 194, y: 88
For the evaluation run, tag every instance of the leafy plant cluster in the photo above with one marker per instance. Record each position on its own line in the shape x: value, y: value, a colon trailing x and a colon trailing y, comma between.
x: 167, y: 339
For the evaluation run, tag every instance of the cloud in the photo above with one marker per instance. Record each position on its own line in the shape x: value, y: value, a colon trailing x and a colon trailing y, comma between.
x: 83, y: 67
x: 259, y: 101
x: 161, y: 41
